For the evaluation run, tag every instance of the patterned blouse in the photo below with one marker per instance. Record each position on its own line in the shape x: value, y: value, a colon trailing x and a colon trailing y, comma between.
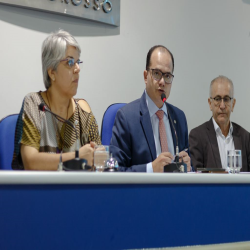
x: 44, y: 132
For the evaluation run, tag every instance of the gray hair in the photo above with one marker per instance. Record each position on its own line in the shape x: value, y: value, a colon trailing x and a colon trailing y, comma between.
x: 221, y: 79
x: 53, y: 51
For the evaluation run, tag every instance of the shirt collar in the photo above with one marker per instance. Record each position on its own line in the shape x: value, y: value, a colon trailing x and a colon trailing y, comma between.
x: 218, y: 130
x: 152, y: 108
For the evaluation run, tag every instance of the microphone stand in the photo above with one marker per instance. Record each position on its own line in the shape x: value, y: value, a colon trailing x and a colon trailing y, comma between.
x: 176, y: 166
x: 74, y: 164
x: 176, y: 137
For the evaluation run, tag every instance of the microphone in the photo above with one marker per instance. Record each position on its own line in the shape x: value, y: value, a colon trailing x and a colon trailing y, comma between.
x: 42, y: 107
x: 77, y: 163
x: 164, y: 99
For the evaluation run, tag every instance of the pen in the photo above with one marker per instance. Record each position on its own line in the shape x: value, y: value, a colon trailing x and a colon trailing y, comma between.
x: 185, y: 150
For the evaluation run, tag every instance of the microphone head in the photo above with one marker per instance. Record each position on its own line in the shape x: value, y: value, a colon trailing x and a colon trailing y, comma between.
x: 42, y: 107
x: 163, y: 97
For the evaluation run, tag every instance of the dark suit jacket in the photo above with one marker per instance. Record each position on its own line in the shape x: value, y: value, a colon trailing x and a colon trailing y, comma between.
x: 204, y: 148
x: 132, y: 142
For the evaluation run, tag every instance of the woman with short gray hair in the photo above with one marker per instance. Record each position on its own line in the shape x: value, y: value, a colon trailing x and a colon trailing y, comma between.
x: 41, y: 140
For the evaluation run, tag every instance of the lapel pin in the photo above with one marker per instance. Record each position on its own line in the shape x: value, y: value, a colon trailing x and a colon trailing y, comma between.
x: 175, y: 121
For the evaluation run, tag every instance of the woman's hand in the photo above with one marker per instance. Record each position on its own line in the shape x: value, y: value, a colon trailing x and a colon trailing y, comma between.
x: 87, y: 152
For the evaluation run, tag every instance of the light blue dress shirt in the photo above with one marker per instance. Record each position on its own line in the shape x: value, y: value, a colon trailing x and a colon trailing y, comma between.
x: 152, y: 108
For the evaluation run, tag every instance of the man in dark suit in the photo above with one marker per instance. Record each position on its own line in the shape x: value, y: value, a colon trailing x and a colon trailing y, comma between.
x: 210, y: 141
x: 143, y: 138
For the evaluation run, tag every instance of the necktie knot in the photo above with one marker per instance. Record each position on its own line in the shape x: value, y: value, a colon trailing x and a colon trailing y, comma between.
x: 160, y: 114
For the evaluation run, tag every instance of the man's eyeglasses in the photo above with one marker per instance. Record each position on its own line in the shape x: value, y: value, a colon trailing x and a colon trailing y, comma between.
x: 71, y: 62
x: 157, y: 75
x: 218, y: 99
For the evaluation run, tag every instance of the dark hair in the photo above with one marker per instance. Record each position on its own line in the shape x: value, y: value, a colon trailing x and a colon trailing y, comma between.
x: 152, y: 50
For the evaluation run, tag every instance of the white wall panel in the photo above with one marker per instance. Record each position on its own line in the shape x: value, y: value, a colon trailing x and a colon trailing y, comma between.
x: 207, y: 38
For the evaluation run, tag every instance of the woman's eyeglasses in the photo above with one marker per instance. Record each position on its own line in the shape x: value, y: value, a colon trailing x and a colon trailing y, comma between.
x: 71, y: 62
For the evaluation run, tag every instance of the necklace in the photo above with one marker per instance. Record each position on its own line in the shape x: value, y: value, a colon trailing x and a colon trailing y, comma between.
x: 58, y: 134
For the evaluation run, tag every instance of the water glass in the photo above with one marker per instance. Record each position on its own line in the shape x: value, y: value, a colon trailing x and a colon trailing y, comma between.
x: 101, y: 154
x: 238, y: 161
x: 234, y: 161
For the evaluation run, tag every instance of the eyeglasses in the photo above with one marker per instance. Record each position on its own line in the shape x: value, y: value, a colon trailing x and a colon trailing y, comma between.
x: 71, y: 62
x: 157, y: 75
x: 218, y: 99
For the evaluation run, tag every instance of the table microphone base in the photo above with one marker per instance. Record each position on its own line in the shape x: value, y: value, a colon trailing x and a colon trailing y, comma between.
x: 76, y: 165
x: 176, y: 167
x: 110, y: 170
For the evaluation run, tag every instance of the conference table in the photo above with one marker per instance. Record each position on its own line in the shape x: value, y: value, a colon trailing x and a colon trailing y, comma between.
x: 88, y: 210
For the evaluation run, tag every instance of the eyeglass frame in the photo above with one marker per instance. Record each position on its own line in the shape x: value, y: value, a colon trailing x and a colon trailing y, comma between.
x: 219, y: 102
x: 162, y: 74
x: 72, y: 59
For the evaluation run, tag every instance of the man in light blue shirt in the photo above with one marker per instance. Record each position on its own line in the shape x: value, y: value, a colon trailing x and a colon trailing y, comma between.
x: 136, y: 142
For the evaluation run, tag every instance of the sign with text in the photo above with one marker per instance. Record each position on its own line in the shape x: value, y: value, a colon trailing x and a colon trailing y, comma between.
x: 104, y: 11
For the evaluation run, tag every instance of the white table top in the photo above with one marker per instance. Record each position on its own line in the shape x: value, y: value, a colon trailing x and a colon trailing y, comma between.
x: 48, y: 177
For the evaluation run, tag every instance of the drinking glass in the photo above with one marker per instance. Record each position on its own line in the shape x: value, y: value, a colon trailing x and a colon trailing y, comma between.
x: 101, y: 154
x: 238, y: 161
x: 230, y: 161
x: 234, y: 161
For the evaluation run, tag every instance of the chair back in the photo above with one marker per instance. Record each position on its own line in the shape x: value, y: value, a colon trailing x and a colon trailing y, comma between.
x: 7, y: 138
x: 108, y: 122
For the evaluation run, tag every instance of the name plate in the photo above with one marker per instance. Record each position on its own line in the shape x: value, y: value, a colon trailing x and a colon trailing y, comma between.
x: 103, y: 11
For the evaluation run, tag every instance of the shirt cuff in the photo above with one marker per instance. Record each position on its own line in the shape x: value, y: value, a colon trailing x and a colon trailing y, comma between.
x: 149, y: 168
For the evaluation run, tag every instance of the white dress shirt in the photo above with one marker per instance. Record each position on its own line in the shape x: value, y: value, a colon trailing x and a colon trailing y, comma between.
x: 224, y: 143
x: 152, y: 108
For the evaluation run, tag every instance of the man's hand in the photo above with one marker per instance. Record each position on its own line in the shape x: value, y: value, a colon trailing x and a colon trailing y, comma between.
x: 162, y: 160
x: 186, y: 159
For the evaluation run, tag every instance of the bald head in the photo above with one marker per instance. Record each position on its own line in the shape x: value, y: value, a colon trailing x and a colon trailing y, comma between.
x: 162, y: 49
x: 221, y: 80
